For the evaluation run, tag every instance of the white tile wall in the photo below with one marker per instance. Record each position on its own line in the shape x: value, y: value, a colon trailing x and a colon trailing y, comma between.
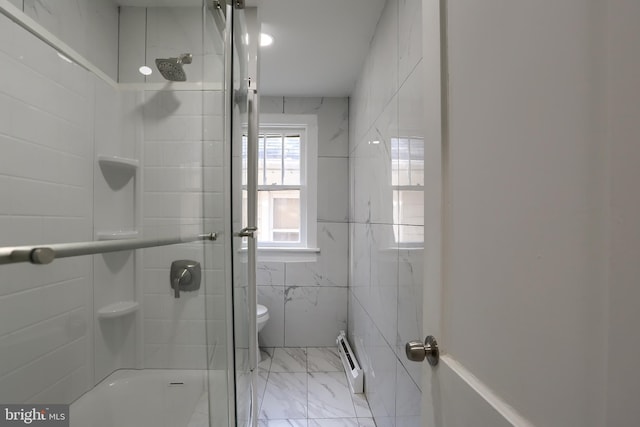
x: 303, y: 317
x: 168, y: 32
x: 115, y: 198
x: 46, y: 183
x: 131, y: 42
x: 180, y: 189
x: 385, y: 279
x: 90, y: 27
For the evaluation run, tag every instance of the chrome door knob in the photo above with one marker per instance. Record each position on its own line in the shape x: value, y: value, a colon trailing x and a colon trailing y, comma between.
x: 417, y: 351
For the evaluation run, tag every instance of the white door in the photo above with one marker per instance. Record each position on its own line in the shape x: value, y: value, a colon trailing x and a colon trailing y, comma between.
x: 451, y: 395
x: 514, y: 275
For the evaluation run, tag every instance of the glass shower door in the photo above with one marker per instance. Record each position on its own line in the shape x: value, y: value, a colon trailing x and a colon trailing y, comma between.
x: 240, y: 101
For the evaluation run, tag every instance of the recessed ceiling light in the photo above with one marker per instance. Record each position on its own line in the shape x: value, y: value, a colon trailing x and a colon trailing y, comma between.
x: 145, y: 71
x: 266, y: 39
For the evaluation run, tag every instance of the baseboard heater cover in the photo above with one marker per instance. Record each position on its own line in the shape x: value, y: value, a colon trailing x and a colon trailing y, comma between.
x: 351, y: 365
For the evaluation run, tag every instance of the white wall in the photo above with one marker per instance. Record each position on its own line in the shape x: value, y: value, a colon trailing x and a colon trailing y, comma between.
x: 385, y: 280
x: 623, y: 120
x: 307, y: 301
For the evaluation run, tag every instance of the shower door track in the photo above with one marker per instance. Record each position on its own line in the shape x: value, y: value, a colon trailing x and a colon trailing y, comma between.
x: 45, y: 254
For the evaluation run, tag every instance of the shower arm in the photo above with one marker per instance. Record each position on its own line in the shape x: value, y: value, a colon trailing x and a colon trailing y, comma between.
x: 45, y: 254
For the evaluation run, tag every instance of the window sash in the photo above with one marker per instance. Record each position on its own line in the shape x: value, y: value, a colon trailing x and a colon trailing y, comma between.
x: 284, y: 132
x: 269, y: 220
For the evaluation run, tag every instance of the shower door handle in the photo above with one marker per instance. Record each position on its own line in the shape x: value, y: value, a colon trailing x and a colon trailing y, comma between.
x: 249, y: 231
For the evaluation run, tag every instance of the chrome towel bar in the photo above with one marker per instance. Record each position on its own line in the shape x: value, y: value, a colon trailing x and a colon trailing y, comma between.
x: 45, y: 254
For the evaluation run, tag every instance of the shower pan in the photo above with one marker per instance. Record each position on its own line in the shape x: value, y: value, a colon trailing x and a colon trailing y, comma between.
x: 127, y: 275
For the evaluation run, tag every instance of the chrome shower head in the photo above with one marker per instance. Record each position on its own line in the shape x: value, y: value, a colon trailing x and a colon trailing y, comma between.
x: 171, y: 68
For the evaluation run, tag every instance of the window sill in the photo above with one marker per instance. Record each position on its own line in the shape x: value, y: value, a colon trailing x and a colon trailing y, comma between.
x: 286, y: 254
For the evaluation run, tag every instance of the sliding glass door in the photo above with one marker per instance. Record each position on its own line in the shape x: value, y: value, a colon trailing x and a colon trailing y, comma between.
x: 242, y: 122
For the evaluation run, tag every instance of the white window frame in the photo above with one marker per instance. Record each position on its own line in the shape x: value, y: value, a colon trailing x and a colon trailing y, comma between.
x: 308, y: 184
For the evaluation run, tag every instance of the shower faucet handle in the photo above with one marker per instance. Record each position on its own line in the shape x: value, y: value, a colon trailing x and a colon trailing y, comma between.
x: 184, y: 276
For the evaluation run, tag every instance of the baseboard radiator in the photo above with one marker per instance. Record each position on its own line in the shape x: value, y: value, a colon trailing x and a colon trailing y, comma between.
x: 351, y: 366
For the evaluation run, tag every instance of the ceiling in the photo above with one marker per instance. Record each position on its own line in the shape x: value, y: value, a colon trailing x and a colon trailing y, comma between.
x: 319, y: 47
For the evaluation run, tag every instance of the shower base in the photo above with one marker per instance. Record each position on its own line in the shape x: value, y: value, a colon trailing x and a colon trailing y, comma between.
x: 147, y: 398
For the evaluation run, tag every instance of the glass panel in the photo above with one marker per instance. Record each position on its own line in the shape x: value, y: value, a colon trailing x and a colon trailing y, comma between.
x: 264, y: 219
x: 416, y: 165
x: 292, y: 152
x: 409, y: 234
x: 239, y: 91
x: 244, y: 161
x: 395, y: 163
x: 97, y: 324
x: 401, y: 155
x: 408, y: 210
x: 286, y: 213
x: 278, y: 212
x: 410, y: 206
x: 261, y: 160
x: 273, y: 160
x: 286, y: 236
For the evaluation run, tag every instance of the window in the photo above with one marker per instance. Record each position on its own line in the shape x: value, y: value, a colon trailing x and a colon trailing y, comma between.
x: 407, y: 156
x: 287, y: 159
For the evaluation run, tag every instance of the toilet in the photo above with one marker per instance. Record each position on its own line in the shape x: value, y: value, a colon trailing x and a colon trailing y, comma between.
x: 262, y: 317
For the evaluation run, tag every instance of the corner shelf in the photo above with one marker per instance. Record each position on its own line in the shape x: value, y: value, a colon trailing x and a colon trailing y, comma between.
x: 117, y: 235
x: 118, y: 309
x: 118, y: 162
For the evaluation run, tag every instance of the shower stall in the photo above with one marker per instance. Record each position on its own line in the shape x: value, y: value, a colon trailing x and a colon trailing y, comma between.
x: 127, y: 255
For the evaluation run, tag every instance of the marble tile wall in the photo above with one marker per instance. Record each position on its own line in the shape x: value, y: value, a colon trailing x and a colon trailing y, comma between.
x: 386, y: 247
x: 307, y: 301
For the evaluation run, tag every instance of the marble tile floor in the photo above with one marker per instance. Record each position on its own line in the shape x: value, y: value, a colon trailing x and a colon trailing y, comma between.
x: 307, y: 387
